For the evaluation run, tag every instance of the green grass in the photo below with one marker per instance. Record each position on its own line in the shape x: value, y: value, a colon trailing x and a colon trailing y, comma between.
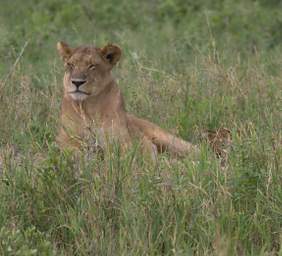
x: 188, y: 66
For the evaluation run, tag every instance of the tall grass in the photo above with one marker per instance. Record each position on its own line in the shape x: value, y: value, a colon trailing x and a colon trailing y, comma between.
x: 188, y: 67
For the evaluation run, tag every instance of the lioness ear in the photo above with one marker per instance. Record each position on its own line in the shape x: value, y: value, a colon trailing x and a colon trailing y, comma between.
x: 111, y: 53
x: 64, y: 50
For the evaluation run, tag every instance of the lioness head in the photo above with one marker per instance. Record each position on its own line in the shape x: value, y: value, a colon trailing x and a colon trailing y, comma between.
x: 87, y: 69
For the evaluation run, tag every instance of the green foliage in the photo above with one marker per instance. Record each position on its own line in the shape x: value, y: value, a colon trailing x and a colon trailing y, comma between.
x: 27, y: 243
x: 188, y: 66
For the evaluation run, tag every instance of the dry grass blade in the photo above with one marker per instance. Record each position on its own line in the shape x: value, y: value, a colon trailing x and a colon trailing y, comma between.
x: 12, y: 69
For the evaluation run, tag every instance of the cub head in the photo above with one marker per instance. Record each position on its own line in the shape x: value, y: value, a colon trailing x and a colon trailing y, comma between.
x: 87, y: 69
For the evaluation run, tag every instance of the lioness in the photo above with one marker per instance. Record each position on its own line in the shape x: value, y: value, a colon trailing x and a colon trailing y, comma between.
x: 93, y: 106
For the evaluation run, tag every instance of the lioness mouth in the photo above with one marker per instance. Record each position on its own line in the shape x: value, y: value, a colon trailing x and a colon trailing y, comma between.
x: 78, y: 91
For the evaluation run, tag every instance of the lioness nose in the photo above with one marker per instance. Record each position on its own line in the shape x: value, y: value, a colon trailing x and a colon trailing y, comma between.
x: 78, y: 82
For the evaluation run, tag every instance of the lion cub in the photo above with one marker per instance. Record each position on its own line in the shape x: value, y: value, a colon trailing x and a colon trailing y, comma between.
x: 93, y: 110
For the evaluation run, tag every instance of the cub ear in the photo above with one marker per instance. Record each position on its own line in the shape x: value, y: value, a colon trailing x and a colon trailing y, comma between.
x: 111, y: 53
x: 64, y: 50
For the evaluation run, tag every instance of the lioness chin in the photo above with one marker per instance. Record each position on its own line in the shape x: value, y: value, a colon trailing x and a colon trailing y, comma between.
x: 93, y: 106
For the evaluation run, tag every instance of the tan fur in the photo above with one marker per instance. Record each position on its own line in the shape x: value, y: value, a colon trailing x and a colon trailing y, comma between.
x: 96, y: 114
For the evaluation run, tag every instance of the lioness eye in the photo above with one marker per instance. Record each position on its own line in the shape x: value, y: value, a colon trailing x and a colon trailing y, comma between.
x: 92, y: 67
x: 70, y: 65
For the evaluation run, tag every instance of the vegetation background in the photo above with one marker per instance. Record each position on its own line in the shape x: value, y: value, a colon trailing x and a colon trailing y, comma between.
x: 188, y: 66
